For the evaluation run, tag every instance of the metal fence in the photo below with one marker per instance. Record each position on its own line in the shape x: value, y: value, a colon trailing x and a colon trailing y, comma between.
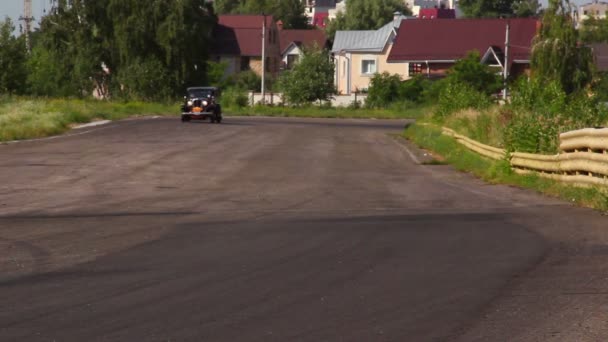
x: 277, y: 99
x: 582, y: 160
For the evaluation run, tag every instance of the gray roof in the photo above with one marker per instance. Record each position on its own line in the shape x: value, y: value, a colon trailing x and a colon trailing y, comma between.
x: 370, y: 40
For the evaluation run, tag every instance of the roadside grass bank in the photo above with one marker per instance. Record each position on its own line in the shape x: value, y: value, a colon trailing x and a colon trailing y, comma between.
x: 412, y: 112
x: 499, y: 172
x: 22, y: 118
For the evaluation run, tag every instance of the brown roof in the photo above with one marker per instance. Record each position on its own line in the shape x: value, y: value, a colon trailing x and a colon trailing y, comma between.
x: 306, y: 38
x: 451, y: 39
x: 239, y: 35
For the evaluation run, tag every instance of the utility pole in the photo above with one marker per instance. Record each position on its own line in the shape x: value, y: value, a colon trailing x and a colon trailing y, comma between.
x: 264, y: 59
x: 505, y: 69
x: 27, y: 18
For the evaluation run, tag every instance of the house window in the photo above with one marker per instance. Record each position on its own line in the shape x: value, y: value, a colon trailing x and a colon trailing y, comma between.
x: 415, y: 68
x: 245, y: 63
x: 585, y: 12
x: 291, y: 60
x: 368, y: 66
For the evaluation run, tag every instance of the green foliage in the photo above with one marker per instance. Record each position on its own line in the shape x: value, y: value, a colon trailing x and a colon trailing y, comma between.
x: 145, y: 79
x: 458, y: 96
x: 216, y: 73
x: 469, y: 84
x: 234, y: 98
x: 366, y: 15
x: 476, y: 75
x: 65, y: 55
x: 541, y: 111
x: 372, y: 14
x: 386, y: 89
x: 311, y: 79
x: 290, y: 12
x: 594, y: 30
x: 12, y: 56
x: 486, y: 8
x: 600, y: 86
x: 526, y: 8
x: 383, y: 90
x: 532, y: 95
x: 165, y: 31
x: 247, y: 80
x: 414, y: 88
x: 556, y: 52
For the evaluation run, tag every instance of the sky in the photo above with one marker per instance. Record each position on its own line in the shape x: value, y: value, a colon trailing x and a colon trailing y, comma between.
x: 14, y: 9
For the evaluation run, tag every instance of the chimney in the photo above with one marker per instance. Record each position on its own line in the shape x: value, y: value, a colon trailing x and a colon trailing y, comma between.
x: 396, y: 15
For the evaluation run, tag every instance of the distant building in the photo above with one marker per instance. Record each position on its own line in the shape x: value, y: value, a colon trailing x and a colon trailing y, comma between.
x: 317, y: 11
x: 293, y: 41
x: 596, y: 9
x: 417, y: 5
x: 437, y: 13
x: 238, y: 43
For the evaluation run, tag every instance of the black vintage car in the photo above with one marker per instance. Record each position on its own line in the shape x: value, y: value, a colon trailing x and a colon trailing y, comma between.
x: 200, y: 103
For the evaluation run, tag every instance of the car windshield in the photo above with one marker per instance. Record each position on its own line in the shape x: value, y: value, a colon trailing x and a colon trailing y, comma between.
x: 200, y: 93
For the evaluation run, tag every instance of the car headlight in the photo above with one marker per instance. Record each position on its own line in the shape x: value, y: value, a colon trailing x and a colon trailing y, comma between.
x: 205, y: 103
x: 189, y: 103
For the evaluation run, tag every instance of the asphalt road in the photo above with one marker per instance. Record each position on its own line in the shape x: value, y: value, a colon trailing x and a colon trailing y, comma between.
x: 264, y: 229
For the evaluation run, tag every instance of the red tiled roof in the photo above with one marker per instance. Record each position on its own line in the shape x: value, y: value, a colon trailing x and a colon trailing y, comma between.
x: 302, y: 37
x: 240, y: 35
x: 446, y: 40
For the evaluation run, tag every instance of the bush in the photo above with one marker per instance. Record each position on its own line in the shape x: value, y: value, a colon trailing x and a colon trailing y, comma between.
x: 543, y: 111
x: 248, y: 80
x: 386, y: 89
x: 383, y: 90
x: 476, y: 75
x: 457, y: 96
x: 413, y: 89
x: 234, y: 98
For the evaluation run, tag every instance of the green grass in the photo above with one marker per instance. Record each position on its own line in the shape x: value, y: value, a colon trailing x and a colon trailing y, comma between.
x: 334, y: 112
x: 430, y: 137
x: 25, y: 118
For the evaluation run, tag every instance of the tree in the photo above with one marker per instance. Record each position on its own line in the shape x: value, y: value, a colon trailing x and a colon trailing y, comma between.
x: 486, y: 8
x: 12, y: 60
x: 366, y: 15
x: 311, y: 79
x: 289, y: 12
x: 479, y: 77
x: 526, y: 8
x: 65, y: 55
x: 556, y: 52
x: 594, y: 30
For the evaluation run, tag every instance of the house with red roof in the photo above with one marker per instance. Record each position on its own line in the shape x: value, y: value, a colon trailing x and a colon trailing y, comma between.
x: 238, y: 43
x: 293, y: 41
x: 431, y: 47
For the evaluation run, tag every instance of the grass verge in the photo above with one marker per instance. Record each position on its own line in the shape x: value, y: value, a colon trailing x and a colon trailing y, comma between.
x: 430, y: 137
x: 22, y: 118
x: 331, y: 112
